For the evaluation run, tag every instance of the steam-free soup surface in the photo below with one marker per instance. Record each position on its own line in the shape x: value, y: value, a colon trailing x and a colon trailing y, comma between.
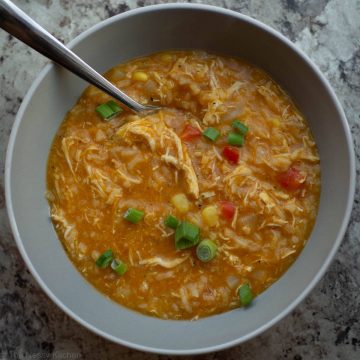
x: 257, y: 202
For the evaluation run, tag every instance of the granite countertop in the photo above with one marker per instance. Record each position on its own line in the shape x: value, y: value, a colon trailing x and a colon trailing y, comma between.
x: 325, y: 326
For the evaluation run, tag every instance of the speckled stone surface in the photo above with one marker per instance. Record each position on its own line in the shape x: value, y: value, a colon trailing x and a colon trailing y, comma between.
x: 325, y: 326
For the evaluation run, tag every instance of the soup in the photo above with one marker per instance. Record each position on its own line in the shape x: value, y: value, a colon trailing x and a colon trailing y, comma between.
x: 193, y: 210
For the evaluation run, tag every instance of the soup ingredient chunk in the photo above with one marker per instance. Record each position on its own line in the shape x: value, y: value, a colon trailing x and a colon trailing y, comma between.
x: 133, y: 215
x: 245, y: 295
x: 186, y: 235
x: 119, y: 266
x: 206, y: 250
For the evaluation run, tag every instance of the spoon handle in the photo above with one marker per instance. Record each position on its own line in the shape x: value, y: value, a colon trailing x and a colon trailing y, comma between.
x: 17, y: 23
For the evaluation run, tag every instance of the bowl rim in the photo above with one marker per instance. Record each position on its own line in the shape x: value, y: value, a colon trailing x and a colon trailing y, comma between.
x: 339, y: 236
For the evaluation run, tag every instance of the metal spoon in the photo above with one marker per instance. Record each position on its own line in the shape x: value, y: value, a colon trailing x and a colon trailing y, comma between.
x: 17, y: 23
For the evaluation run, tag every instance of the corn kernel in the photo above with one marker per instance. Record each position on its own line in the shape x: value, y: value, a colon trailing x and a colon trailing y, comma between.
x: 181, y: 203
x: 275, y: 122
x: 140, y: 76
x: 166, y: 57
x: 246, y: 229
x: 210, y: 215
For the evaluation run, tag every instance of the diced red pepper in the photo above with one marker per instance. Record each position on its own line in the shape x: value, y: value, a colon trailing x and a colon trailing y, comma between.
x: 190, y: 133
x: 231, y: 153
x: 227, y: 209
x: 292, y: 179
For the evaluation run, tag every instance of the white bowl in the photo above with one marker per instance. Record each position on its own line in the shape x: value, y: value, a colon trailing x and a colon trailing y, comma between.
x: 140, y: 32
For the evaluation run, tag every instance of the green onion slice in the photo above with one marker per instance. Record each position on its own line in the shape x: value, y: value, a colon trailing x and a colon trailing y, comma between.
x: 245, y: 294
x: 206, y: 250
x: 119, y: 266
x: 134, y: 216
x: 104, y: 259
x: 235, y: 139
x: 108, y: 110
x: 171, y: 222
x: 114, y: 106
x: 240, y: 127
x: 186, y: 235
x: 211, y: 133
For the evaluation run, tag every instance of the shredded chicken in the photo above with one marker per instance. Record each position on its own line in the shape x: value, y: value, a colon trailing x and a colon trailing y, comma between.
x: 121, y: 170
x: 165, y: 263
x: 163, y: 141
x: 241, y: 242
x: 69, y: 229
x: 103, y: 184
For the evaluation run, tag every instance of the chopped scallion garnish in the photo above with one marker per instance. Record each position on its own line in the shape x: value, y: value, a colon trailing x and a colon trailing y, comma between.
x: 134, y: 216
x: 105, y: 259
x: 186, y: 235
x: 104, y: 111
x: 206, y: 250
x: 119, y: 266
x: 108, y: 110
x: 171, y: 222
x: 114, y: 106
x: 240, y: 127
x: 235, y: 139
x: 211, y: 133
x: 245, y: 294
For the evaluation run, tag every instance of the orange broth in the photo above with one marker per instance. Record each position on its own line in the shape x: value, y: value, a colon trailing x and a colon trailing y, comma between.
x: 98, y: 169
